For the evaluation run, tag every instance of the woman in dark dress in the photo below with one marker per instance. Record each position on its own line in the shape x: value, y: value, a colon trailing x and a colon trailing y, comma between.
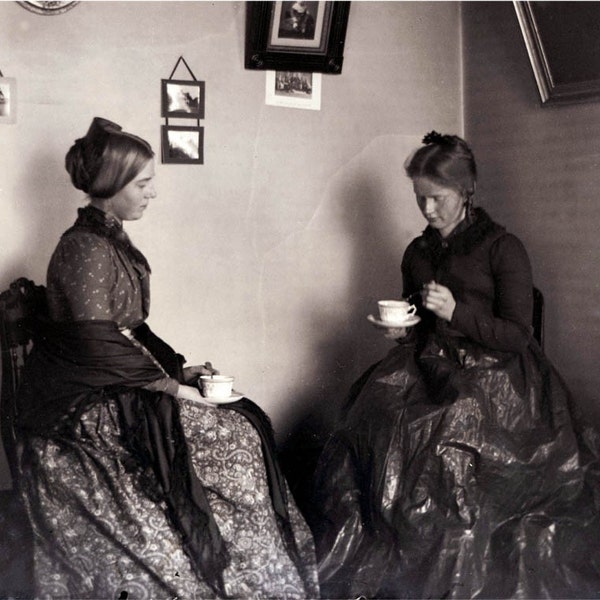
x: 134, y: 484
x: 460, y: 468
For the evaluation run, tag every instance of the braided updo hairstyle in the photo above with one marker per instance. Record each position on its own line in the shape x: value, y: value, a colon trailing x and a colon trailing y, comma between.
x: 106, y: 159
x: 447, y: 160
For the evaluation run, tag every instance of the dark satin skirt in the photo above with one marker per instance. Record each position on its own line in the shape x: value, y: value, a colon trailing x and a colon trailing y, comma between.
x: 459, y: 472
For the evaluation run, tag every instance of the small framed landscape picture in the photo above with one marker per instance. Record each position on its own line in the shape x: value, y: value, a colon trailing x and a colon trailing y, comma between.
x: 293, y: 89
x: 183, y: 99
x: 182, y: 145
x: 8, y: 100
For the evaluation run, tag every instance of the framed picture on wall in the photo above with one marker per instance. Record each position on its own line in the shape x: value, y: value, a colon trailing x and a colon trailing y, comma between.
x: 182, y: 145
x: 297, y: 35
x: 293, y: 89
x: 183, y: 99
x: 8, y: 100
x: 562, y: 42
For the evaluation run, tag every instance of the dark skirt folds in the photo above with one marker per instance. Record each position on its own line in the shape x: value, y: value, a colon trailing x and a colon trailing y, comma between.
x: 459, y: 472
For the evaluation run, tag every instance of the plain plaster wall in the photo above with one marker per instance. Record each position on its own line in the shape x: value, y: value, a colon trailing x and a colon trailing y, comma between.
x: 267, y: 259
x: 539, y: 176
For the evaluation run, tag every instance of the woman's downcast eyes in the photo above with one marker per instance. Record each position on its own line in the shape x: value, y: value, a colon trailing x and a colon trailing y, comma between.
x: 143, y: 184
x: 437, y: 198
x: 422, y: 200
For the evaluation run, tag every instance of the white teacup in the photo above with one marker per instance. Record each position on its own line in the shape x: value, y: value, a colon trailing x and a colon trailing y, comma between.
x: 216, y: 386
x: 395, y: 311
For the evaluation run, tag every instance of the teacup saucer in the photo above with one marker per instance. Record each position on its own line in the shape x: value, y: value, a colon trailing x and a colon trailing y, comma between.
x: 412, y: 320
x: 235, y: 396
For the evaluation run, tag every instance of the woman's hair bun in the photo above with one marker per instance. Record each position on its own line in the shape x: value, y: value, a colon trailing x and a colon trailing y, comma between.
x: 446, y: 159
x: 433, y: 137
x: 77, y: 165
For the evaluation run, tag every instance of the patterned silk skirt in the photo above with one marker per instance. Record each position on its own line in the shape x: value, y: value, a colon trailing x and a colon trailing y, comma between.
x: 97, y: 533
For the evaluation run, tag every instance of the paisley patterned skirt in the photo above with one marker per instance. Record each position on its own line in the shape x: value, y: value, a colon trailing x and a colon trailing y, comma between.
x: 99, y: 535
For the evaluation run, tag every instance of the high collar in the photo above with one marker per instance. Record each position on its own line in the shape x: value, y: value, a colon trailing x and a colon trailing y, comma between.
x: 468, y: 234
x: 90, y: 218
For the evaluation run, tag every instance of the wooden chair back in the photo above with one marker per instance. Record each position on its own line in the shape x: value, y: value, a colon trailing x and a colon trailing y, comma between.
x: 19, y: 307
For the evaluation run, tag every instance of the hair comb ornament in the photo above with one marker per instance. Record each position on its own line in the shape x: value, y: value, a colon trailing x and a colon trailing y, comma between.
x: 433, y: 137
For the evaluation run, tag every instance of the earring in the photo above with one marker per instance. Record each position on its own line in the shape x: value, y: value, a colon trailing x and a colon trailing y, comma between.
x: 470, y: 212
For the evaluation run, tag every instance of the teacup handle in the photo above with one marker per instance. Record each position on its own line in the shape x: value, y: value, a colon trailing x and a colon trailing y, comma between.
x: 412, y: 309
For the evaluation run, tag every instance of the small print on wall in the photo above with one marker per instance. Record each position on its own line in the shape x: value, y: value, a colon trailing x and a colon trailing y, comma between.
x: 293, y: 89
x: 8, y: 100
x: 182, y: 145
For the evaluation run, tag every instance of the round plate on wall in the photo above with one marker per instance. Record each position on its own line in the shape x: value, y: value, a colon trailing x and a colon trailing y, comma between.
x: 48, y: 8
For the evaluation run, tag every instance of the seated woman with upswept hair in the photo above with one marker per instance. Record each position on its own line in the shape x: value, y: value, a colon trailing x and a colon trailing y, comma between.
x: 460, y: 467
x: 135, y: 486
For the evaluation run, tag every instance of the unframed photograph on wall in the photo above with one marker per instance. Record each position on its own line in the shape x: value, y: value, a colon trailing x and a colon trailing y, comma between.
x: 293, y: 89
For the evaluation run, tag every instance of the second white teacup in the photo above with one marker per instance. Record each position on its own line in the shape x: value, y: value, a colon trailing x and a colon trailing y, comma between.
x: 216, y: 386
x: 395, y: 311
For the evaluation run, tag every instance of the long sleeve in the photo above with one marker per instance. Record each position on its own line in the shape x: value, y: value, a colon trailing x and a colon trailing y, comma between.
x: 508, y: 327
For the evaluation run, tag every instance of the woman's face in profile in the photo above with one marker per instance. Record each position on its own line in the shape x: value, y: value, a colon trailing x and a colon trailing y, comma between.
x: 443, y: 207
x: 129, y: 203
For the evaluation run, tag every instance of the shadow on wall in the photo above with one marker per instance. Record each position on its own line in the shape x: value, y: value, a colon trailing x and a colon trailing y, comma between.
x: 37, y: 224
x: 345, y: 345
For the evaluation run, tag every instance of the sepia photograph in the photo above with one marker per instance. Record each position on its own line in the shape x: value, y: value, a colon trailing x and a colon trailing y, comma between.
x: 293, y: 89
x: 182, y: 144
x: 183, y: 99
x: 350, y: 351
x: 299, y: 23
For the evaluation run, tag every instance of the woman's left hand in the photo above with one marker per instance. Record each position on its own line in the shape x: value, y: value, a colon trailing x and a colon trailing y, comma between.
x: 439, y: 300
x: 191, y: 374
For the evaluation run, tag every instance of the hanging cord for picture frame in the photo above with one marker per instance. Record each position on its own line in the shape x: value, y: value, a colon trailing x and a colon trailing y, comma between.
x: 181, y: 59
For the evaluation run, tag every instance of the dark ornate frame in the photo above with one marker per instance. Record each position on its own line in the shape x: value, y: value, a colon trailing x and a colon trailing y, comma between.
x: 260, y: 54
